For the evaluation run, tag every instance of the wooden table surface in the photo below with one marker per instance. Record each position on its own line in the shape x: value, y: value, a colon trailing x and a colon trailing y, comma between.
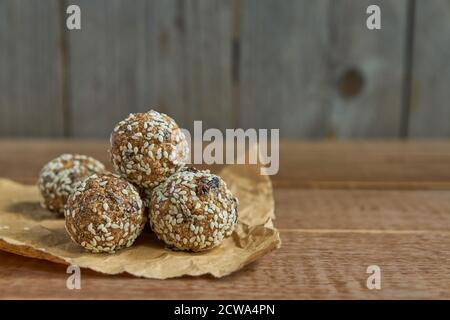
x: 340, y: 206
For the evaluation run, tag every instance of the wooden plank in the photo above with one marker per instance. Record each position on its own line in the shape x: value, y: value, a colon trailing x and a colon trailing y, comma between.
x: 336, y: 165
x: 363, y: 210
x: 173, y: 56
x: 31, y: 69
x: 208, y: 74
x: 430, y: 108
x: 309, y: 265
x: 313, y: 69
x: 369, y: 165
x: 103, y: 65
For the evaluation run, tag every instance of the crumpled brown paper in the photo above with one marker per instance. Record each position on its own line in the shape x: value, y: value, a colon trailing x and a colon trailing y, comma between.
x: 27, y: 229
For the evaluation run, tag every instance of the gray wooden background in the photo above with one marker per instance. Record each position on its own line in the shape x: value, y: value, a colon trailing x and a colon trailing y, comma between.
x: 310, y: 68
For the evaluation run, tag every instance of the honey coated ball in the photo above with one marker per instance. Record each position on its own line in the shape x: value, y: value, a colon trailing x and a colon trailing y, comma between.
x: 146, y: 148
x: 58, y: 178
x: 192, y: 210
x: 104, y: 214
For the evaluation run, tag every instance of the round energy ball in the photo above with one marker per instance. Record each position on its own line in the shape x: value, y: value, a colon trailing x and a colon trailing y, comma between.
x: 104, y: 214
x: 58, y: 178
x: 192, y: 210
x: 146, y: 148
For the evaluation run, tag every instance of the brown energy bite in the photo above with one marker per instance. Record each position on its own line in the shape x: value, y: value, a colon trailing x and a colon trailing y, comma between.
x: 104, y: 214
x: 58, y: 178
x: 146, y: 148
x: 192, y: 210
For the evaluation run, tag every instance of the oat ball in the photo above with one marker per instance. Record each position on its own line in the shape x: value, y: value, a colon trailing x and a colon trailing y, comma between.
x: 58, y: 178
x: 105, y: 213
x: 192, y: 210
x: 146, y: 148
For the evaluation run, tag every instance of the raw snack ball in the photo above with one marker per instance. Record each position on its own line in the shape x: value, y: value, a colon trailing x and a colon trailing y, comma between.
x: 193, y: 210
x: 58, y: 178
x: 146, y: 148
x: 105, y: 213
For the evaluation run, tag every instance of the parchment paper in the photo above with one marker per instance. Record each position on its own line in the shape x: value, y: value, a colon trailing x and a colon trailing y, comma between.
x: 27, y: 229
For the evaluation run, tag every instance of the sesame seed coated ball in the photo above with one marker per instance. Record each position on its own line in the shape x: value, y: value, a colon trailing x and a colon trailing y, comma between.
x: 58, y: 178
x: 104, y: 214
x: 193, y: 210
x: 146, y: 148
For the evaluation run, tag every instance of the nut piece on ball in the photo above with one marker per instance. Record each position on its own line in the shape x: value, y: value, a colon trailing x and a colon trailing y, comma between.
x: 104, y: 214
x: 193, y: 210
x: 58, y: 178
x: 146, y: 148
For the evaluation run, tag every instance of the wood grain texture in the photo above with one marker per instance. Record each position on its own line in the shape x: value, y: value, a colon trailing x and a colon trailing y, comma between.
x: 336, y: 165
x: 364, y: 211
x: 309, y: 265
x: 430, y: 108
x: 364, y: 164
x: 30, y: 69
x: 173, y: 56
x: 313, y: 69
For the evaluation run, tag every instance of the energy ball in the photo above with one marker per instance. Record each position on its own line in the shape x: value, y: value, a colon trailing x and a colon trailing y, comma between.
x: 105, y: 214
x: 58, y: 178
x: 192, y: 210
x: 146, y: 148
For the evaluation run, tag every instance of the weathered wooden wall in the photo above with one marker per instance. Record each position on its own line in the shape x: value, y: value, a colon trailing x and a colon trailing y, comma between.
x: 310, y: 68
x: 30, y: 69
x: 430, y: 94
